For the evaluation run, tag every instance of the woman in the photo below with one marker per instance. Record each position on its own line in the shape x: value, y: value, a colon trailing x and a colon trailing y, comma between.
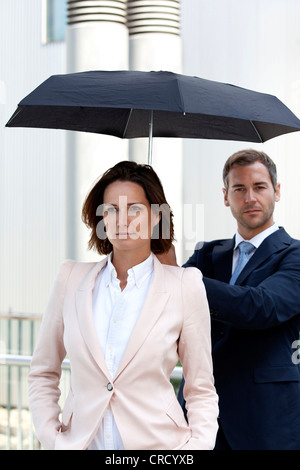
x: 124, y: 322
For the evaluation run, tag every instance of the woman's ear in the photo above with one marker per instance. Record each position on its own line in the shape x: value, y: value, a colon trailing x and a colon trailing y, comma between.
x: 155, y: 218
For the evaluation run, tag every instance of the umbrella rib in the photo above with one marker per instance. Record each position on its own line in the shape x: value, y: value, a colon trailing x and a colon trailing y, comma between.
x: 258, y: 134
x: 127, y: 123
x: 150, y: 138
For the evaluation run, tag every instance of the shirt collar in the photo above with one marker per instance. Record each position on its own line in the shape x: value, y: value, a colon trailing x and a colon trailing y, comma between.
x: 258, y: 239
x: 137, y: 273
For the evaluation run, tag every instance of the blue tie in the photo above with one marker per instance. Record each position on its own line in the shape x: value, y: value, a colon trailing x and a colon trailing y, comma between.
x: 245, y: 249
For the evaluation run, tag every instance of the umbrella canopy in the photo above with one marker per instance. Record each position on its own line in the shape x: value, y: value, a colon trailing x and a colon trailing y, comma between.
x: 130, y: 104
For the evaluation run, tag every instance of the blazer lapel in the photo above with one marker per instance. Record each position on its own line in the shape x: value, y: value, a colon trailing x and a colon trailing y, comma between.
x: 84, y: 309
x: 222, y: 260
x: 153, y: 307
x: 275, y: 242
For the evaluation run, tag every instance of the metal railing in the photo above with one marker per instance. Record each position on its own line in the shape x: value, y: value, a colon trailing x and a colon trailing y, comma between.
x: 17, y: 338
x: 16, y: 427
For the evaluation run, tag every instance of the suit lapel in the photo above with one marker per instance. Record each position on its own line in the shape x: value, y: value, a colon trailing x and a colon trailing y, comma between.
x: 274, y: 243
x: 84, y: 309
x: 222, y: 260
x: 153, y: 307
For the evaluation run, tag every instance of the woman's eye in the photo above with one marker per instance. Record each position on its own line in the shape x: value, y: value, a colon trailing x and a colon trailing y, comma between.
x: 110, y: 209
x: 134, y: 209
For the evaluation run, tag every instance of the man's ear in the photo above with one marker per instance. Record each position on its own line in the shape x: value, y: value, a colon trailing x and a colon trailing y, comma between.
x: 226, y: 202
x: 277, y: 192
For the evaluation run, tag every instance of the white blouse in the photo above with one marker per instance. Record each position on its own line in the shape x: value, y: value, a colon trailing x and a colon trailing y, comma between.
x: 115, y: 313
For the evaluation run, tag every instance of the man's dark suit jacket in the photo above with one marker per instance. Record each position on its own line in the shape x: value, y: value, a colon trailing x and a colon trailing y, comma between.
x: 255, y: 331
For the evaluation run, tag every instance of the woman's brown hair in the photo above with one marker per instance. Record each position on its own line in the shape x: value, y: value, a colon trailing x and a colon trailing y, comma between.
x: 145, y: 176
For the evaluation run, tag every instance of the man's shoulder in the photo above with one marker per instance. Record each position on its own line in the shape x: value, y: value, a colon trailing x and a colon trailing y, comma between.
x: 209, y: 245
x: 284, y: 237
x: 205, y: 252
x: 281, y: 234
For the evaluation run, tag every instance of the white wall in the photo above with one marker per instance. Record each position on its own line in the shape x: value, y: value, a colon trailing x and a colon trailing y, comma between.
x: 32, y: 165
x: 253, y: 44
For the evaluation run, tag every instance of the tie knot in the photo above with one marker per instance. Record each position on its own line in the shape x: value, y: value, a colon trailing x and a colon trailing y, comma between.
x: 246, y: 247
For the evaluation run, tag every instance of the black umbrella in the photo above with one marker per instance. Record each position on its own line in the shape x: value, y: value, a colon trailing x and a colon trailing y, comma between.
x: 130, y: 104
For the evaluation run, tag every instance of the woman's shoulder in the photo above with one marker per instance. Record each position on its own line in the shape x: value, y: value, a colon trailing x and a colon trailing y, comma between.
x: 70, y: 268
x: 186, y: 282
x: 184, y: 274
x: 70, y: 264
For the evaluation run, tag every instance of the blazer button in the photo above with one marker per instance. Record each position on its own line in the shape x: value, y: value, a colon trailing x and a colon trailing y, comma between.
x: 109, y: 387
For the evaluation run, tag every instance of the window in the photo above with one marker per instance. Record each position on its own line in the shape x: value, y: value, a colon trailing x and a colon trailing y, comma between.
x: 55, y: 20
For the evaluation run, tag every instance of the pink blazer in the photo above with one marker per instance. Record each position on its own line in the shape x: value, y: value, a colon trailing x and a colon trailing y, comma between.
x: 174, y: 322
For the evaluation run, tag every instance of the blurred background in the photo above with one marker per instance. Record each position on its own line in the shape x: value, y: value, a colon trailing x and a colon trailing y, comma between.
x: 45, y: 174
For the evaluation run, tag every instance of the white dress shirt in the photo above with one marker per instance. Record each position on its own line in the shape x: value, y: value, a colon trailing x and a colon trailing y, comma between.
x: 115, y: 313
x: 256, y: 241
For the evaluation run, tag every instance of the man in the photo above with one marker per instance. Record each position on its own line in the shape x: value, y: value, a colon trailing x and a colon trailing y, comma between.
x: 255, y: 314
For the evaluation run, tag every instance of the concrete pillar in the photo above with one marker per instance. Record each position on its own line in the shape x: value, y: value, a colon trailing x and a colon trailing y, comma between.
x: 97, y: 39
x: 155, y: 44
